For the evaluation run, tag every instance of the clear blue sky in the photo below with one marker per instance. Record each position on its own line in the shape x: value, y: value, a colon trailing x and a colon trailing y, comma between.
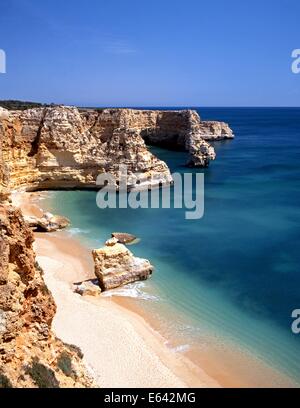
x: 142, y: 53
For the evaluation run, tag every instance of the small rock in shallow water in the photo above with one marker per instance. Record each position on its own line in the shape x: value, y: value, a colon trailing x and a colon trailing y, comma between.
x: 124, y: 237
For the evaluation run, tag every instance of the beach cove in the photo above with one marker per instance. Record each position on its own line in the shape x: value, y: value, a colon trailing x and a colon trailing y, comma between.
x: 119, y: 346
x: 199, y: 321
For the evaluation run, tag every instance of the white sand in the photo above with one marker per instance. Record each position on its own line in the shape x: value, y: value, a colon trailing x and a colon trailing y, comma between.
x: 119, y: 347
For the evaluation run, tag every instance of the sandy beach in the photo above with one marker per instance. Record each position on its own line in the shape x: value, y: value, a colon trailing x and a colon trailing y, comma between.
x: 120, y: 348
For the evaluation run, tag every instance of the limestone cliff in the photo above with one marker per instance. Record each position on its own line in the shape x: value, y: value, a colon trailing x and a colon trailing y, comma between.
x: 30, y: 354
x: 62, y: 147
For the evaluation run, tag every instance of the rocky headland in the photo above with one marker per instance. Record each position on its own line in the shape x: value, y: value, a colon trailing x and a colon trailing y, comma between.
x: 64, y: 147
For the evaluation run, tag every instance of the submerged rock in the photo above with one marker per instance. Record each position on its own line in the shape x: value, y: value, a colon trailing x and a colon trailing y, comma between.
x: 47, y: 223
x: 115, y: 265
x: 124, y: 237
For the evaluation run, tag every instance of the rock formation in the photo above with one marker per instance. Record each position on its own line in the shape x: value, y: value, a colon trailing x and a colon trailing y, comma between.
x: 30, y: 354
x: 63, y: 147
x: 47, y: 222
x: 211, y: 130
x: 124, y: 237
x: 87, y: 288
x: 115, y: 265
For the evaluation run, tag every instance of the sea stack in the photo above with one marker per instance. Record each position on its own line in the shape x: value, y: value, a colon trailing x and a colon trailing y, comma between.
x: 115, y: 265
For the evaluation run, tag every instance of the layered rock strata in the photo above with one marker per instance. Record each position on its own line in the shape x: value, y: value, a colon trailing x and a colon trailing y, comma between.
x: 63, y: 147
x: 30, y: 354
x: 115, y: 265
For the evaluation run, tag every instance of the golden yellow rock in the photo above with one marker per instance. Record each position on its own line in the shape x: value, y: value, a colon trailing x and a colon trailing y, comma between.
x: 115, y: 265
x: 63, y: 147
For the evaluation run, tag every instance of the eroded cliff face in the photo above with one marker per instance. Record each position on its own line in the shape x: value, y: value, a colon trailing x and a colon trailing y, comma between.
x: 62, y: 147
x: 4, y: 180
x: 30, y: 354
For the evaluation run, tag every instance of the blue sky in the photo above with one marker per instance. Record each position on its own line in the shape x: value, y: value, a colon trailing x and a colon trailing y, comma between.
x: 154, y: 53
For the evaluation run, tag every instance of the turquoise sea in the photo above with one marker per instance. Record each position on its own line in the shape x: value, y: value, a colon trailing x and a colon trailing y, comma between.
x: 234, y: 274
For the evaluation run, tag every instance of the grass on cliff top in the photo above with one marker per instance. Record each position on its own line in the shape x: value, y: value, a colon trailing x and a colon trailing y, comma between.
x: 21, y: 105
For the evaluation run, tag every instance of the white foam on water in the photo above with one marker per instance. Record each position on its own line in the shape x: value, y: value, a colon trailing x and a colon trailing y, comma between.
x: 77, y: 231
x: 133, y: 290
x: 182, y: 348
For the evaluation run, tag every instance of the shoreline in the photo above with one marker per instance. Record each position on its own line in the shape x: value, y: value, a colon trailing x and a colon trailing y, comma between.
x: 121, y: 348
x: 208, y: 367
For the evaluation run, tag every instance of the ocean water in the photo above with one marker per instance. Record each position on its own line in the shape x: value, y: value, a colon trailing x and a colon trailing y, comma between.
x: 233, y: 274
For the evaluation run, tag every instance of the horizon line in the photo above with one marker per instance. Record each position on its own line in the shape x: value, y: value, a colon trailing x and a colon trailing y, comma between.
x: 89, y: 106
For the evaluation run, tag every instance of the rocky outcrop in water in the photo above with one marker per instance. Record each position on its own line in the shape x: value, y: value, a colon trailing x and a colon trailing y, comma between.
x: 124, y: 237
x: 115, y: 265
x: 63, y: 147
x: 184, y: 130
x: 212, y: 130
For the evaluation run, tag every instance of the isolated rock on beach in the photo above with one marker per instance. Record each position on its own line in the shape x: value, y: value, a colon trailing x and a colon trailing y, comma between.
x: 87, y: 288
x: 115, y: 265
x: 47, y: 223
